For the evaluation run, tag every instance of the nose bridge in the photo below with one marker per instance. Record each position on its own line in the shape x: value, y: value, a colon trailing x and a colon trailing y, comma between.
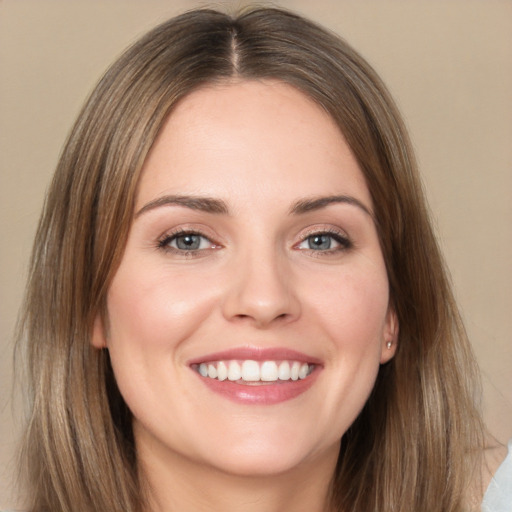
x: 262, y: 288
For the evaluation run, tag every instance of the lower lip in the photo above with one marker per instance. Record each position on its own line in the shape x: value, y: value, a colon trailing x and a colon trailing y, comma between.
x: 261, y: 394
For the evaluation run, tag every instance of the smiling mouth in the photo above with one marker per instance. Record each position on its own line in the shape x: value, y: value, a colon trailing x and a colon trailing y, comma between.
x: 251, y: 372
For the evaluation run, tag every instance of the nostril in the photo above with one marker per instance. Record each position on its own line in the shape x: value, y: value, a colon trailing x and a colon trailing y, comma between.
x: 263, y: 298
x: 261, y: 320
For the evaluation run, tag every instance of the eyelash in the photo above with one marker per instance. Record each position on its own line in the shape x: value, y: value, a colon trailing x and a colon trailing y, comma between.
x: 168, y: 238
x: 344, y: 243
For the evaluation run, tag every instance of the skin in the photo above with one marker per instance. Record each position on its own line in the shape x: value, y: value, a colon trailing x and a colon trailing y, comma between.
x: 259, y: 147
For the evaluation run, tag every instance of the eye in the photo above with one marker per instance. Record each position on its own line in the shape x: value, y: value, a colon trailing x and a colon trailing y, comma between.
x: 186, y: 242
x: 325, y: 242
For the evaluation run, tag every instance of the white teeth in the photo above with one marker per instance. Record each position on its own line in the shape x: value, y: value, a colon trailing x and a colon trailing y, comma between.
x: 234, y: 371
x: 303, y: 372
x: 222, y: 371
x: 269, y: 371
x: 250, y: 371
x: 254, y: 371
x: 294, y: 373
x: 284, y: 371
x: 212, y: 371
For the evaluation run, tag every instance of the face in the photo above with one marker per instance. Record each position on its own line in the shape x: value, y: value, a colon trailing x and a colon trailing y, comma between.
x: 250, y: 312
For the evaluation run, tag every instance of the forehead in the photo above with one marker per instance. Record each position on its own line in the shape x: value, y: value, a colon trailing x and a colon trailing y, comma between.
x: 232, y: 139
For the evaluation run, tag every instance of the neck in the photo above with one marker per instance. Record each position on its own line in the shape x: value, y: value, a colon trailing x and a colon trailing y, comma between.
x: 173, y: 483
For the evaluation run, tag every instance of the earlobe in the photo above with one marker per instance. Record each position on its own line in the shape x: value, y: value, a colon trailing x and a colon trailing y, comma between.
x: 98, y: 338
x: 390, y: 339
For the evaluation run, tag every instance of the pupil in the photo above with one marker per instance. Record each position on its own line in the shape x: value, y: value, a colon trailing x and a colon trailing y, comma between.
x: 320, y: 242
x: 188, y: 242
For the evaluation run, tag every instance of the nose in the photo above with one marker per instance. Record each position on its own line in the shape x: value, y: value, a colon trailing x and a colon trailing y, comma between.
x: 262, y: 290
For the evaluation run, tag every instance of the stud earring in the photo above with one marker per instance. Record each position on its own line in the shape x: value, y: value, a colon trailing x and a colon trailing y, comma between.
x: 389, y: 344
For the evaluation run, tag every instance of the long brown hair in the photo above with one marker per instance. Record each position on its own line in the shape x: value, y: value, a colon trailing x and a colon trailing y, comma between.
x: 415, y: 443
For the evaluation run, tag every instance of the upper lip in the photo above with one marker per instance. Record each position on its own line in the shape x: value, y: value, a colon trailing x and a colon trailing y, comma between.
x: 257, y: 354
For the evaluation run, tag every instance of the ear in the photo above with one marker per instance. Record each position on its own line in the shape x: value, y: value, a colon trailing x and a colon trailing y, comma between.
x: 390, y: 337
x: 98, y: 338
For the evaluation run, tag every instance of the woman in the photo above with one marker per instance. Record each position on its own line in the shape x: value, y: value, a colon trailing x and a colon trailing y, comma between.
x: 236, y: 300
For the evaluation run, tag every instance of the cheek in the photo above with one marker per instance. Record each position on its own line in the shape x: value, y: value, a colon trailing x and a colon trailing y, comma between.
x: 151, y: 316
x: 353, y: 308
x: 351, y: 312
x: 151, y: 309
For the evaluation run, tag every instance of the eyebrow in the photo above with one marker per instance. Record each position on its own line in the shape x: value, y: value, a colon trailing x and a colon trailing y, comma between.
x: 211, y: 205
x: 203, y: 204
x: 317, y: 203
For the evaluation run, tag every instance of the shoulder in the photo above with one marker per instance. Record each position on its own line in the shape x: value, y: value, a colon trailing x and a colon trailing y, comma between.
x: 498, y: 497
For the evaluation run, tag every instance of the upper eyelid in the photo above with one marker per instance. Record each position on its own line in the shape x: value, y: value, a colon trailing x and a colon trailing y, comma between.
x: 177, y: 234
x: 318, y: 230
x: 340, y: 235
x: 188, y: 230
x: 163, y: 241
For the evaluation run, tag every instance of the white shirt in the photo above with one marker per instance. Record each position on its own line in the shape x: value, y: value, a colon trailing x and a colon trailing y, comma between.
x: 498, y: 497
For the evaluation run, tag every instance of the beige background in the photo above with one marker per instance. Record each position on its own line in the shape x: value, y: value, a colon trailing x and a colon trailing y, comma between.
x: 448, y: 63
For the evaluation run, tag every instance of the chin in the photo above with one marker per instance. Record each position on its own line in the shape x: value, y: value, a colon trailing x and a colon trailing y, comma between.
x: 259, y: 465
x: 260, y: 456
